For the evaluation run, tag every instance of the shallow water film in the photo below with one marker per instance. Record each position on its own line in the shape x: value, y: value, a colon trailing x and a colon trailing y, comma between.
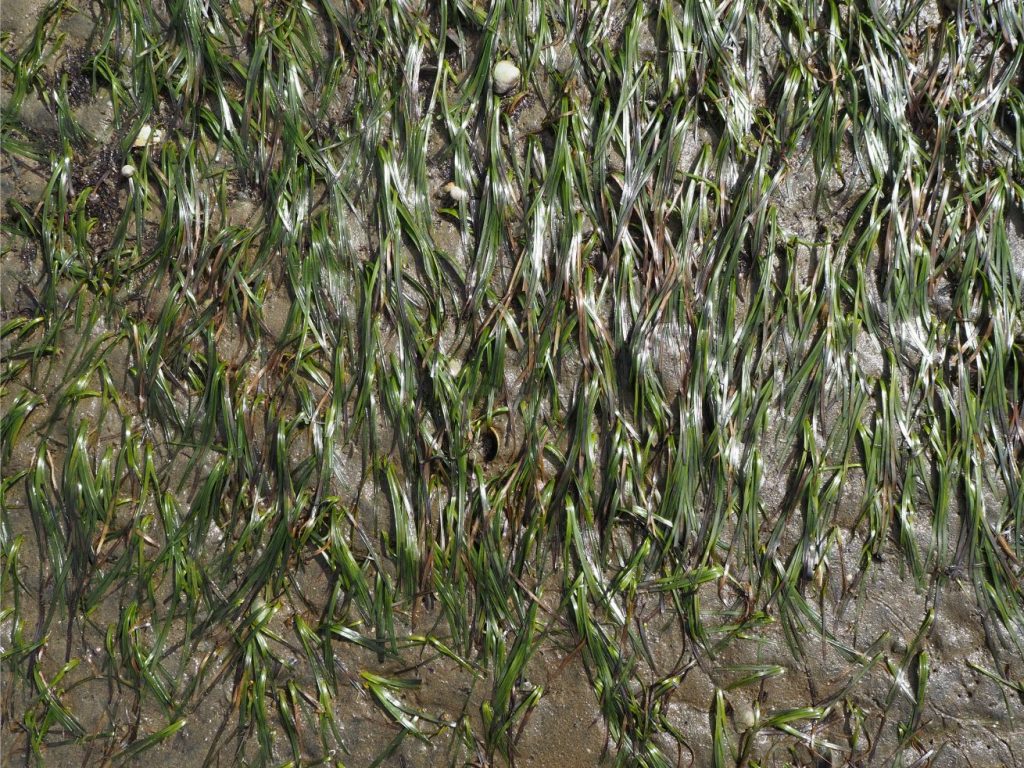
x: 493, y: 383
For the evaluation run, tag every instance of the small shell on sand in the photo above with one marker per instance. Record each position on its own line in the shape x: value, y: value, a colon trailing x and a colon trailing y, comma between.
x: 455, y: 192
x: 505, y: 76
x: 148, y: 135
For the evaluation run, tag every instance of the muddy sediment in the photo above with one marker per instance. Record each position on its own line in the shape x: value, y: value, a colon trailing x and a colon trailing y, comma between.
x: 812, y: 634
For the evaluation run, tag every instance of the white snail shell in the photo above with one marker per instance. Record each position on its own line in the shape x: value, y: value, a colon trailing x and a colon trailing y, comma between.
x: 505, y: 76
x: 744, y: 717
x: 455, y: 192
x: 145, y: 132
x: 148, y: 135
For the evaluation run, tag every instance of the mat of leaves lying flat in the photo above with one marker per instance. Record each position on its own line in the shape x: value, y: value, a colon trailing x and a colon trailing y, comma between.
x: 513, y: 383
